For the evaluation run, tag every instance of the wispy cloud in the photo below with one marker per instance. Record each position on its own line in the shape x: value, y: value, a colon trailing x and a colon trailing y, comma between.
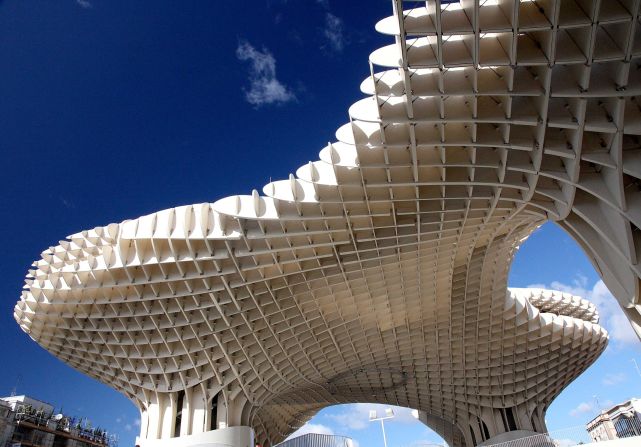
x: 86, y: 4
x: 264, y: 87
x: 333, y: 32
x: 128, y: 426
x: 611, y: 315
x: 312, y: 428
x: 566, y: 442
x: 582, y: 408
x: 356, y: 416
x: 613, y: 379
x: 588, y: 407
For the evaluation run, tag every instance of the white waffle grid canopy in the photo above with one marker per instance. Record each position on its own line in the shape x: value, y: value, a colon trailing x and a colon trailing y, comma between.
x: 379, y: 272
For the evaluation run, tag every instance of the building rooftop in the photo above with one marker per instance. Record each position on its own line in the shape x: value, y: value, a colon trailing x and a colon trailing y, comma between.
x: 21, y: 400
x: 38, y: 415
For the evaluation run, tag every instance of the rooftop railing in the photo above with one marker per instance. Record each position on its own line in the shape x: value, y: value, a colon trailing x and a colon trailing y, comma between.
x: 574, y: 436
x: 62, y: 423
x: 317, y: 440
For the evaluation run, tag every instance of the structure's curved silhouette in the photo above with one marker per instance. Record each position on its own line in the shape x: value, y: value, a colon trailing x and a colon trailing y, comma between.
x: 379, y: 273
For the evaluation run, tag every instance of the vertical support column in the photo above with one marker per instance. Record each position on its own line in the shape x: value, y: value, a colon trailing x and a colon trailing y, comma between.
x: 168, y: 406
x: 466, y: 435
x: 487, y: 417
x: 199, y: 409
x: 223, y: 409
x: 209, y: 425
x: 476, y: 429
x: 144, y: 423
x: 221, y: 414
x: 523, y: 422
x: 185, y: 422
x: 530, y: 414
x: 539, y: 418
x: 235, y: 411
x: 215, y: 399
x: 153, y: 411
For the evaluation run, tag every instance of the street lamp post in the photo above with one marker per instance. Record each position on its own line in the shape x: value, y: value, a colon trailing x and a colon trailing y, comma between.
x: 373, y: 416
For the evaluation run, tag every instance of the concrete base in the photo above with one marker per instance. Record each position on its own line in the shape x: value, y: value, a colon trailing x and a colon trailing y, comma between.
x: 223, y: 437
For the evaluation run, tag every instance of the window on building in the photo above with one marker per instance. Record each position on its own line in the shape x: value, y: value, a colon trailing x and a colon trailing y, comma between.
x: 627, y: 427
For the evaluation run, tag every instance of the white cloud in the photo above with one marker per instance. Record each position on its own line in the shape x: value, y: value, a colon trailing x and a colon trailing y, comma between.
x: 128, y: 426
x: 582, y: 408
x: 613, y: 379
x: 312, y: 428
x: 565, y: 442
x: 264, y: 88
x: 587, y: 407
x: 610, y: 313
x: 333, y: 32
x: 423, y: 442
x: 621, y: 330
x: 86, y: 4
x: 356, y: 416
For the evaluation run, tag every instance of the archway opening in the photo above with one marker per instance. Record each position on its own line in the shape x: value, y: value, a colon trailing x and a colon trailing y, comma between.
x: 551, y: 259
x: 355, y: 421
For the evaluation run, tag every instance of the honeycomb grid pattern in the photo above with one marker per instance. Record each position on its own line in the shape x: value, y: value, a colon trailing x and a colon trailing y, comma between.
x: 379, y: 272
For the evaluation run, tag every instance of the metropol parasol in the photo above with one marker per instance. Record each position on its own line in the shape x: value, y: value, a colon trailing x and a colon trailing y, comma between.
x: 379, y: 272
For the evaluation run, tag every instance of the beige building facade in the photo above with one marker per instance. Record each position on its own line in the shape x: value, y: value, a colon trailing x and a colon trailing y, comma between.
x: 620, y: 421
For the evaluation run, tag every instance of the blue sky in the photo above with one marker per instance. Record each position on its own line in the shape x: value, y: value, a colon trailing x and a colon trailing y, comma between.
x: 114, y: 109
